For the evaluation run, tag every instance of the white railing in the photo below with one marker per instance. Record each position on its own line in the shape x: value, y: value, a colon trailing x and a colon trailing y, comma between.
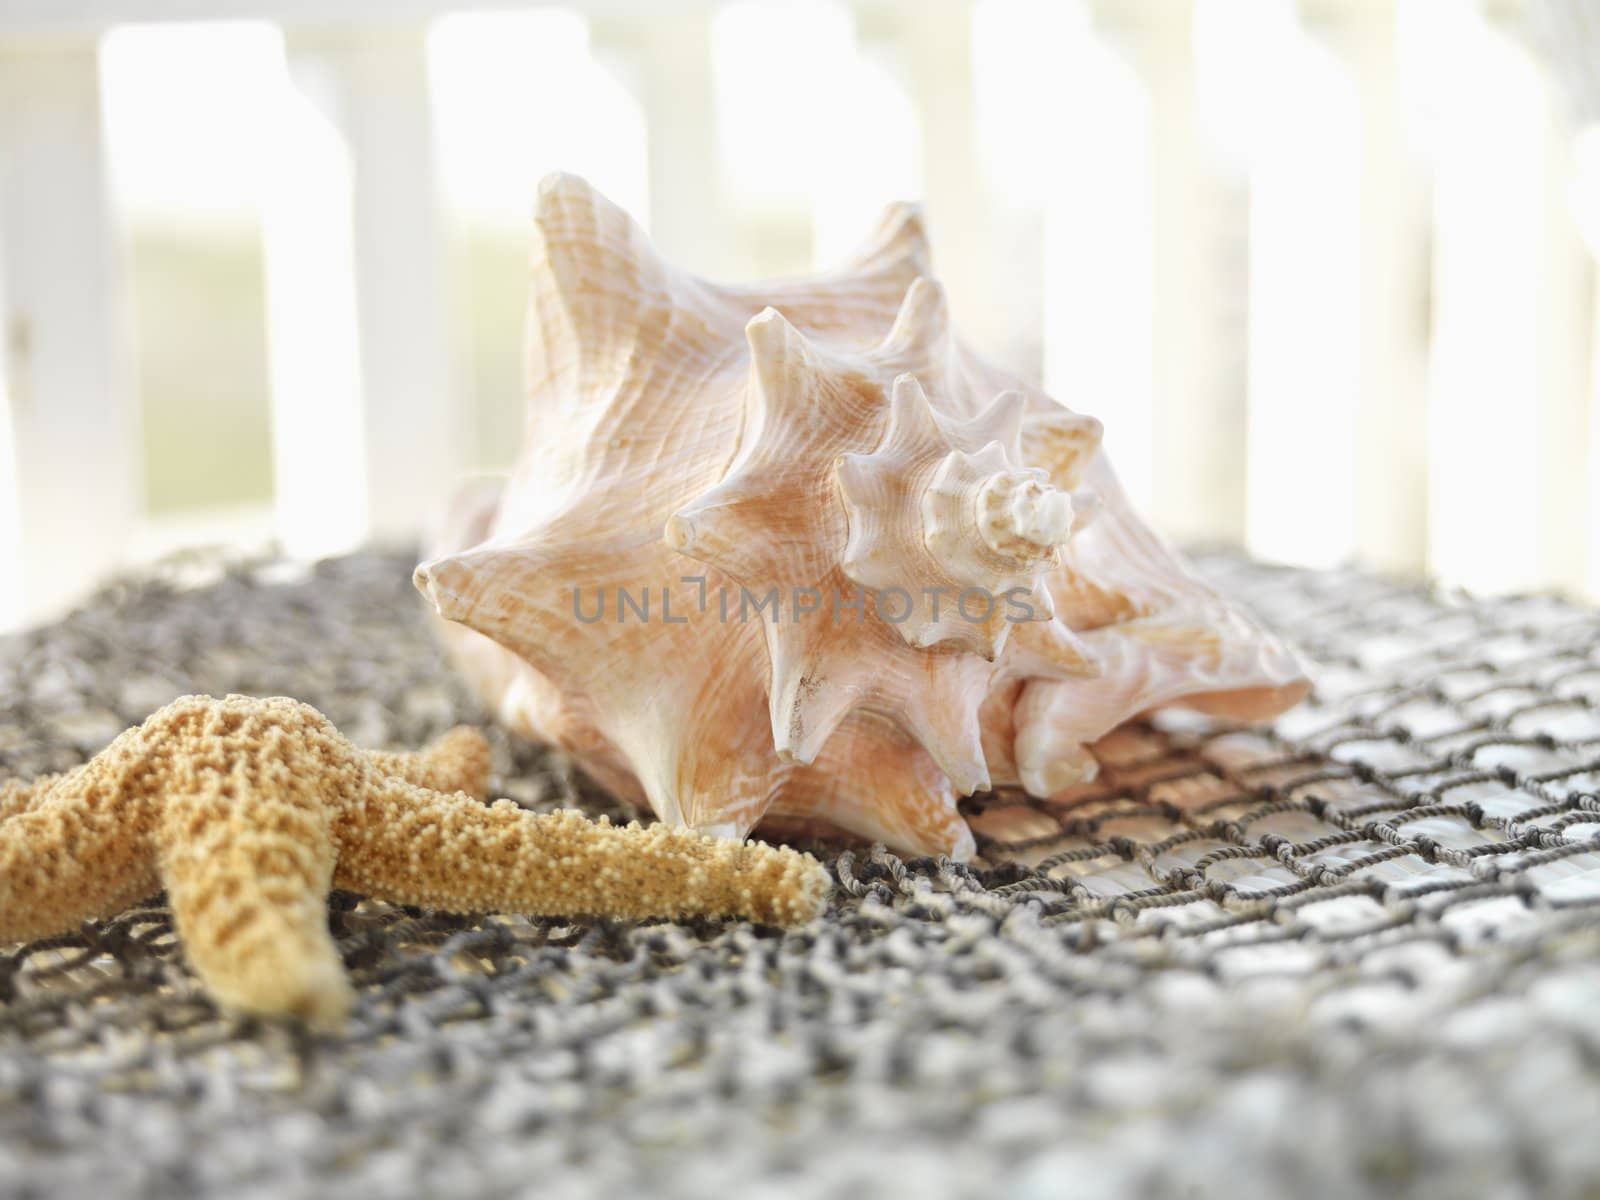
x: 1318, y: 265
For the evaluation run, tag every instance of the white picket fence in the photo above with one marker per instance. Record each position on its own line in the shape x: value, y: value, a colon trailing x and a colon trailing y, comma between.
x: 1318, y: 265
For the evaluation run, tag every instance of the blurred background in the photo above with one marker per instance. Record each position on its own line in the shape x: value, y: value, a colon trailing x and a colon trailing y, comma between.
x: 1326, y: 268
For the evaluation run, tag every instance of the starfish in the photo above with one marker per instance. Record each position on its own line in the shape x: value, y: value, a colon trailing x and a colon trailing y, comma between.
x: 249, y: 810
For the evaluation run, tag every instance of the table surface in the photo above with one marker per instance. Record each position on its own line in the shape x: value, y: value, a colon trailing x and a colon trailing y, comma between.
x: 1353, y: 952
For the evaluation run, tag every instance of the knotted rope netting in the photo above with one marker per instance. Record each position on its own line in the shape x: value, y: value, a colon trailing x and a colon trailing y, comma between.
x: 1353, y: 952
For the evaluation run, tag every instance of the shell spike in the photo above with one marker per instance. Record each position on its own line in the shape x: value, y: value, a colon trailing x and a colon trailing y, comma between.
x: 573, y: 327
x: 573, y: 225
x: 991, y: 457
x: 450, y: 584
x: 1062, y: 442
x: 769, y: 330
x: 1001, y: 421
x: 780, y: 360
x: 914, y: 805
x: 560, y: 187
x: 1050, y: 754
x: 906, y: 390
x: 911, y: 417
x: 952, y: 737
x: 804, y: 712
x: 900, y: 238
x: 717, y: 526
x: 505, y: 592
x: 922, y: 326
x: 1045, y: 648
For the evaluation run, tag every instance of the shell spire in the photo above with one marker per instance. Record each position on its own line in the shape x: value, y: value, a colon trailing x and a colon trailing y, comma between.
x: 792, y: 550
x: 965, y: 536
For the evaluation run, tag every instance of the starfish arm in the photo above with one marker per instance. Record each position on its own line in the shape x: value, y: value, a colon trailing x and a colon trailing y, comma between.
x: 459, y: 761
x: 17, y: 796
x: 247, y: 860
x: 244, y: 791
x: 65, y: 857
x: 410, y: 846
x: 243, y: 809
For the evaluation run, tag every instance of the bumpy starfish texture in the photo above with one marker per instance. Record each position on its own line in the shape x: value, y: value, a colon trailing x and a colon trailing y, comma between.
x: 248, y: 811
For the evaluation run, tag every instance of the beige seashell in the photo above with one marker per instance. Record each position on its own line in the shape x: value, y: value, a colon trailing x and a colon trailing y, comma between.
x: 759, y: 490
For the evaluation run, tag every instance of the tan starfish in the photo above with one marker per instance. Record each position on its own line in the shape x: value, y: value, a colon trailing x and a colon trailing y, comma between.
x: 247, y: 811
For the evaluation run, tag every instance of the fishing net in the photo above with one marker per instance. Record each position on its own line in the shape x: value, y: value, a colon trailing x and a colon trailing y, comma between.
x: 1355, y: 952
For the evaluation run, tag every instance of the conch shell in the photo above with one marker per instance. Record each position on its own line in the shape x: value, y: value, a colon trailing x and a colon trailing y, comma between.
x: 793, y: 550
